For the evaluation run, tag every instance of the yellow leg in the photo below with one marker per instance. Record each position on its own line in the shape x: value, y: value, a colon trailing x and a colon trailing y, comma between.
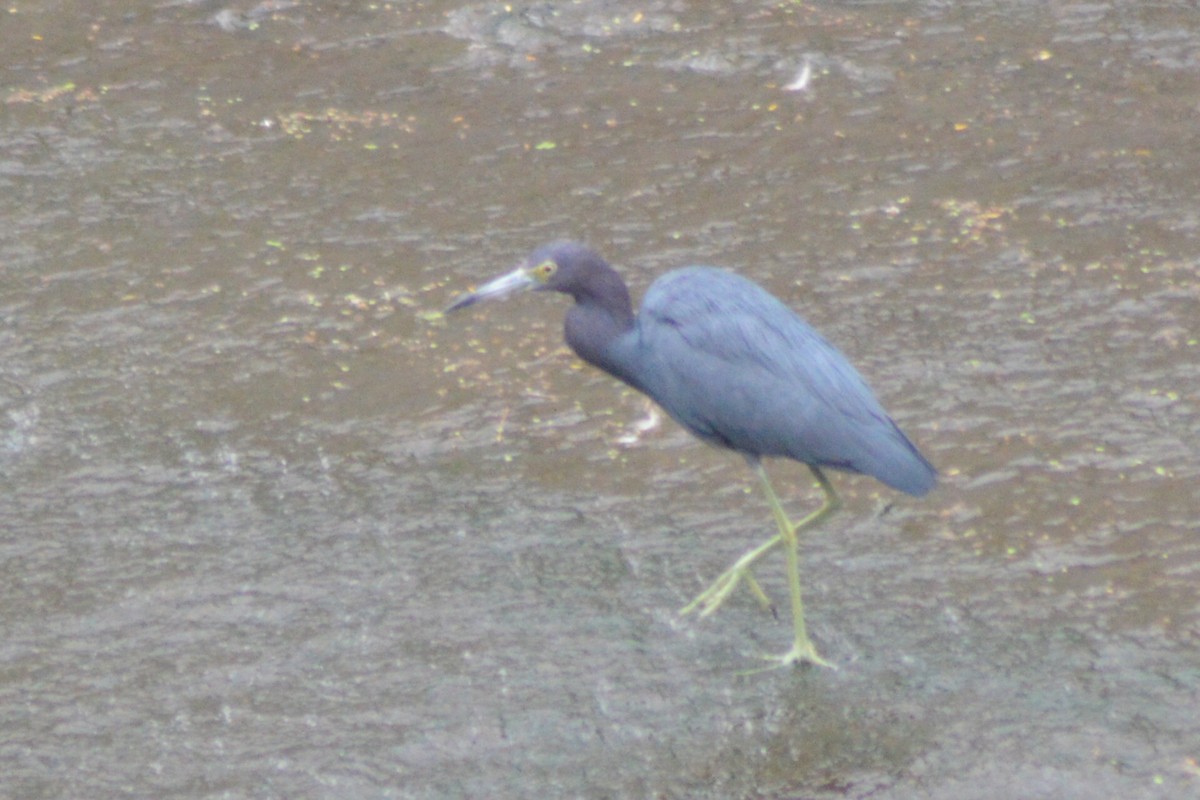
x: 712, y: 597
x: 802, y: 646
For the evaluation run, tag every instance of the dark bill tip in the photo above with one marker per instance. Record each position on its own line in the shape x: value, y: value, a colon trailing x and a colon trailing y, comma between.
x: 465, y: 300
x: 518, y: 280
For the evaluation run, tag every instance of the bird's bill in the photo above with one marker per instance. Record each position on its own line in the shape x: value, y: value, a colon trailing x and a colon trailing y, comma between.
x: 519, y: 280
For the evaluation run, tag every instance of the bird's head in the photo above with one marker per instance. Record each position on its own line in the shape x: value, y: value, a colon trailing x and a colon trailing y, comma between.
x: 567, y: 267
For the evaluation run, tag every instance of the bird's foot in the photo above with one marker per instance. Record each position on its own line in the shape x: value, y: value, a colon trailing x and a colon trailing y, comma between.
x: 711, y: 598
x: 802, y: 652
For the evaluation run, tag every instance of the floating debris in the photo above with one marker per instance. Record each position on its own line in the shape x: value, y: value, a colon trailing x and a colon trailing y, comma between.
x: 801, y: 81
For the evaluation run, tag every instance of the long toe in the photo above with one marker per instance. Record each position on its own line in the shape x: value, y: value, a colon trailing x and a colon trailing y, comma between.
x: 711, y: 598
x: 802, y: 652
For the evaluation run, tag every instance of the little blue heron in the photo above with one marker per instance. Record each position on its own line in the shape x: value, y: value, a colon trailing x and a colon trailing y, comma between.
x: 740, y: 370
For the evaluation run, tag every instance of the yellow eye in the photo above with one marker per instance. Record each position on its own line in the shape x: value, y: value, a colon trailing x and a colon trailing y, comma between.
x: 545, y: 270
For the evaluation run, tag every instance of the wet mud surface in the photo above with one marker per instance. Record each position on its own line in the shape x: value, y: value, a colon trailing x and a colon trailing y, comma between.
x: 272, y: 526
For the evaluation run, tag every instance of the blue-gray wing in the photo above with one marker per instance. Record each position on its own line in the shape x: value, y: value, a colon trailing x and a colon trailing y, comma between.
x: 740, y: 369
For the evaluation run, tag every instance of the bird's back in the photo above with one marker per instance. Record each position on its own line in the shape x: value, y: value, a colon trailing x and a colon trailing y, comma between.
x: 740, y: 369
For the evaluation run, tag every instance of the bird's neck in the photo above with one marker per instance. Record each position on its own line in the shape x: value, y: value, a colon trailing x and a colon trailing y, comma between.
x: 594, y: 332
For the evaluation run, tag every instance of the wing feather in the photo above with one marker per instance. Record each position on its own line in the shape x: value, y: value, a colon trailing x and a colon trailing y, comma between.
x: 740, y: 369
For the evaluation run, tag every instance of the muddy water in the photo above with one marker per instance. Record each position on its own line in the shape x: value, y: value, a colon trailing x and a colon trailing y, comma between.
x: 272, y: 527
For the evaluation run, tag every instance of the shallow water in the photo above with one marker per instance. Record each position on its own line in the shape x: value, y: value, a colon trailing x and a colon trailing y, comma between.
x: 274, y: 527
